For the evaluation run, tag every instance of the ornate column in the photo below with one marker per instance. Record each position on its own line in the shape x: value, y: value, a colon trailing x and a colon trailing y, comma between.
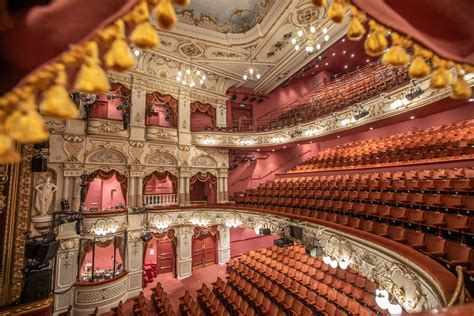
x: 220, y: 185
x: 139, y: 195
x: 65, y: 189
x: 137, y: 115
x: 67, y: 268
x: 223, y: 247
x: 221, y: 113
x: 134, y: 253
x: 184, y: 117
x: 183, y: 193
x: 76, y: 193
x: 131, y: 201
x: 135, y: 189
x: 184, y: 258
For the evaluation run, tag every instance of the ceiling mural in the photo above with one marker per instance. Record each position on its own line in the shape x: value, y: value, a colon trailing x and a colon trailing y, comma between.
x: 229, y: 16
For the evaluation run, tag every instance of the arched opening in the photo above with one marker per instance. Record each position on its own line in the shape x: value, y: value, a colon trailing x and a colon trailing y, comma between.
x: 161, y: 110
x: 204, y: 246
x: 160, y: 189
x: 110, y: 105
x: 203, y: 117
x: 203, y: 189
x: 105, y: 191
x: 159, y: 257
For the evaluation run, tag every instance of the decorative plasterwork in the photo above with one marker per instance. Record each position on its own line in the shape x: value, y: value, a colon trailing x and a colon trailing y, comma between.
x: 162, y: 134
x: 388, y: 269
x: 227, y: 55
x: 378, y: 108
x: 108, y: 127
x: 104, y: 225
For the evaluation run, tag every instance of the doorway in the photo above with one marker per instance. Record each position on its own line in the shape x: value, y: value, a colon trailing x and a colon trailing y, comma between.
x: 159, y: 259
x: 204, y: 252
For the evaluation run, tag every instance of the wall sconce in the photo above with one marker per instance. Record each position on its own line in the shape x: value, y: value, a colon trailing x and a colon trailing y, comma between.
x: 199, y: 219
x: 234, y: 220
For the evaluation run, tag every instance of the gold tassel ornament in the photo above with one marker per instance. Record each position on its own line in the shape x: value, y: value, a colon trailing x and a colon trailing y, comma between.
x: 91, y: 77
x: 165, y: 15
x: 25, y: 125
x: 441, y: 77
x: 355, y: 30
x: 336, y: 11
x: 396, y: 55
x: 119, y: 56
x: 56, y: 101
x: 319, y: 3
x: 144, y: 34
x: 376, y: 42
x: 461, y: 90
x: 419, y: 68
x: 7, y: 152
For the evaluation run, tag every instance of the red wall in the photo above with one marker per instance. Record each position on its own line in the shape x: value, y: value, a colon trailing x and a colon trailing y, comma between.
x: 251, y: 173
x: 160, y: 119
x: 283, y: 95
x: 153, y: 186
x: 243, y: 240
x: 199, y: 121
x: 100, y: 194
x: 199, y: 190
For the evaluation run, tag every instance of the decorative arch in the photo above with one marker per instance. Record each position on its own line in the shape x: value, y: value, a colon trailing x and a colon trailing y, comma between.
x: 107, y: 156
x: 170, y: 235
x: 203, y: 188
x: 162, y: 159
x: 104, y: 175
x: 203, y: 177
x: 118, y: 89
x: 166, y: 101
x: 206, y: 108
x: 204, y: 161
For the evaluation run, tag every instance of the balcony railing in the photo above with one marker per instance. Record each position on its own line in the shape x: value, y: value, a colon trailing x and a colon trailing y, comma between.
x: 165, y: 199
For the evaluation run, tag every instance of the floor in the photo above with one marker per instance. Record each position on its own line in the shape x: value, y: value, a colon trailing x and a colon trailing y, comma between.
x: 175, y: 288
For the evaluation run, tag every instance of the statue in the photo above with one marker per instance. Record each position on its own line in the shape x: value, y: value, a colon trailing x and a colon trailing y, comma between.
x: 44, y: 196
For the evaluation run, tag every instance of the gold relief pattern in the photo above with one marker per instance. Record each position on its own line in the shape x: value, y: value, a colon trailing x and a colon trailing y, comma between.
x: 73, y: 146
x: 107, y: 156
x: 99, y: 127
x: 136, y: 151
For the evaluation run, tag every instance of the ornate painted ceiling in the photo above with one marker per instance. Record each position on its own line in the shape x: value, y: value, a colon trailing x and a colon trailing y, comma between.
x: 209, y: 34
x: 229, y: 16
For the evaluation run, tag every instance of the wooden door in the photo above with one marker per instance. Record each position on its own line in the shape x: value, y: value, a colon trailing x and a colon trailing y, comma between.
x: 165, y: 256
x: 204, y: 252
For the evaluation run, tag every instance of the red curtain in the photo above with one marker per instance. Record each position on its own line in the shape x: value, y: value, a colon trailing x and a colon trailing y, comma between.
x: 158, y: 99
x: 202, y: 231
x: 204, y: 108
x: 203, y: 178
x: 106, y: 175
x: 160, y: 176
x: 86, y: 247
x: 120, y: 90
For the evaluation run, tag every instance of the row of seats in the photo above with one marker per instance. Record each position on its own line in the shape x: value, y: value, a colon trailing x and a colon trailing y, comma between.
x: 233, y: 300
x: 259, y: 300
x: 161, y: 301
x: 187, y: 305
x: 210, y: 303
x: 140, y: 306
x: 335, y: 284
x: 451, y: 141
x: 356, y: 86
x: 301, y: 287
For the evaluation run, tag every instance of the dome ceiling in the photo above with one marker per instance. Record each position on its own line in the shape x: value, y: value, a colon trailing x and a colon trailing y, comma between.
x: 230, y: 16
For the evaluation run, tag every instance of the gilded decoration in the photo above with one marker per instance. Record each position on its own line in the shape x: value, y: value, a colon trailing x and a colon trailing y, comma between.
x: 107, y: 156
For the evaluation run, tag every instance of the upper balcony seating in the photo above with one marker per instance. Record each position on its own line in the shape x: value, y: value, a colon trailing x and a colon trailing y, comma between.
x: 356, y: 86
x: 446, y: 142
x: 428, y: 210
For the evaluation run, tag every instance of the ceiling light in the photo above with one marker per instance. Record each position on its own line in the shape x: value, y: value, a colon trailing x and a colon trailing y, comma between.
x: 293, y: 41
x: 251, y: 72
x: 345, y: 67
x: 326, y: 38
x: 318, y: 46
x: 325, y: 30
x: 338, y: 136
x: 300, y: 33
x: 190, y: 76
x: 334, y: 54
x: 412, y: 117
x: 344, y: 52
x: 284, y: 147
x: 273, y: 149
x: 258, y: 149
x: 136, y: 52
x: 367, y: 60
x: 327, y: 64
x: 371, y: 128
x: 471, y: 100
x: 312, y: 29
x: 352, y: 55
x: 297, y: 47
x: 343, y: 40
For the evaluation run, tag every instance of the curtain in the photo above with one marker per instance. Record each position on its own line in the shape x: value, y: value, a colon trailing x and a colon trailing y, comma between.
x: 158, y: 99
x: 120, y: 246
x: 86, y: 247
x: 106, y: 175
x: 160, y: 176
x: 203, y: 178
x: 120, y: 90
x: 204, y: 108
x: 202, y: 231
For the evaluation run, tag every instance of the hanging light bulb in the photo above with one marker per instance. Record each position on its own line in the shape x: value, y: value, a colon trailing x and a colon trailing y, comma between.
x: 251, y: 71
x: 297, y: 47
x: 312, y: 29
x: 198, y: 72
x: 258, y: 76
x: 245, y: 77
x: 327, y: 260
x: 191, y: 76
x: 293, y: 41
x: 300, y: 33
x: 325, y: 30
x: 318, y: 46
x: 326, y: 38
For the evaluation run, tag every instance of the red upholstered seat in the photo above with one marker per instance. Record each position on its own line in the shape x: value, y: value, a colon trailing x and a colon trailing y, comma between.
x: 435, y: 246
x: 458, y: 255
x: 415, y: 239
x: 397, y: 234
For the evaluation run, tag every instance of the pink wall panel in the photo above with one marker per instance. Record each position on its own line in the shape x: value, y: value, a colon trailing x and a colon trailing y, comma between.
x: 243, y: 240
x: 251, y: 173
x: 100, y: 194
x: 103, y: 257
x: 153, y: 186
x: 200, y: 120
x: 94, y: 194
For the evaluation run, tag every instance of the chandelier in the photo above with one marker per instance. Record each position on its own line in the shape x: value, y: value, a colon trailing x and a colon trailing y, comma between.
x: 234, y: 220
x: 199, y: 219
x: 309, y: 37
x: 251, y: 73
x: 191, y: 76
